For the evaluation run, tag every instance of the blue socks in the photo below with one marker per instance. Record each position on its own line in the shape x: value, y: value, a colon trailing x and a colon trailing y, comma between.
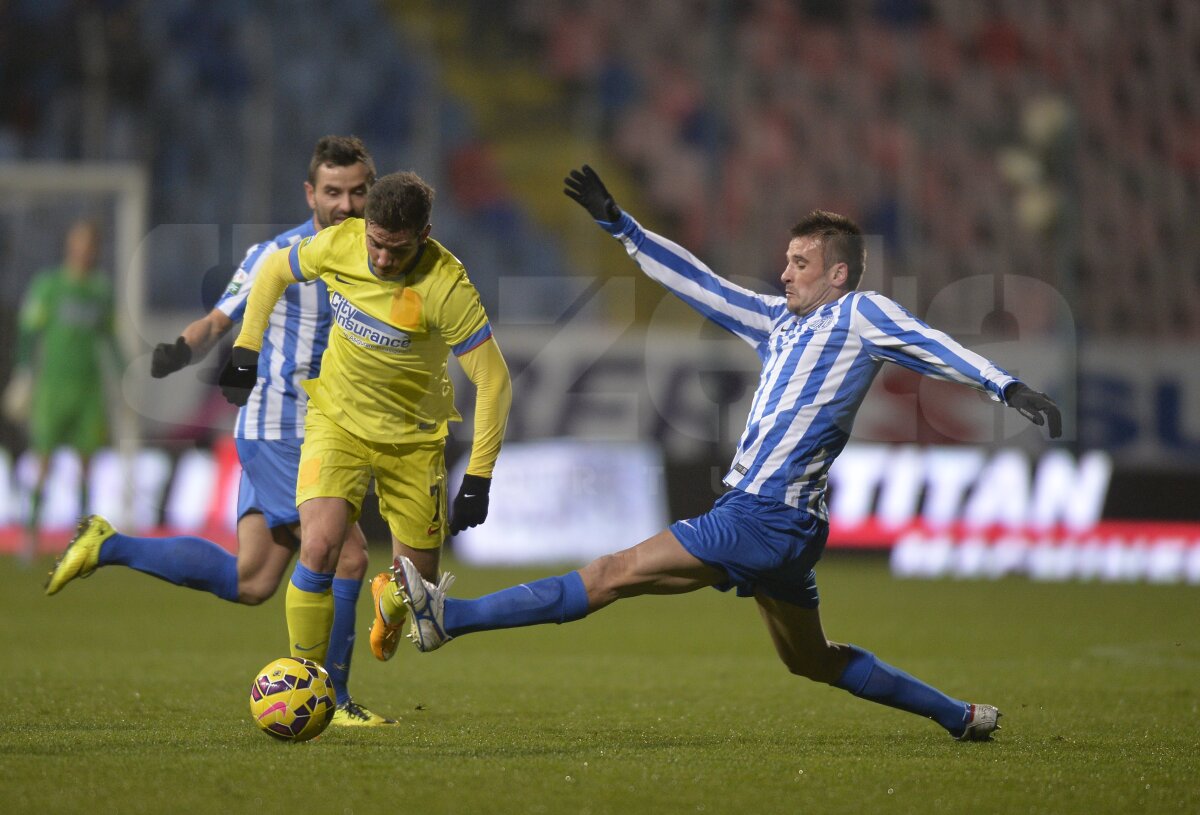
x: 341, y: 636
x: 184, y: 561
x: 870, y: 678
x: 550, y: 600
x: 312, y: 582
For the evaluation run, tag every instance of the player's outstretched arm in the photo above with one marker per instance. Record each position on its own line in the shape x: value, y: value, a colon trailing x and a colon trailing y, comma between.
x: 1035, y: 406
x: 192, y: 345
x: 584, y: 187
x: 487, y: 370
x: 739, y: 310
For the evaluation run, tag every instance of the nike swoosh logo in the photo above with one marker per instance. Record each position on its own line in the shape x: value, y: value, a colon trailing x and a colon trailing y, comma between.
x: 300, y: 647
x: 469, y: 495
x: 275, y: 708
x: 343, y: 281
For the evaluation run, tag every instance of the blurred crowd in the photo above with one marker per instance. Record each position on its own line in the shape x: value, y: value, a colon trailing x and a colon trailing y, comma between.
x: 1036, y: 137
x: 1049, y: 139
x: 223, y: 100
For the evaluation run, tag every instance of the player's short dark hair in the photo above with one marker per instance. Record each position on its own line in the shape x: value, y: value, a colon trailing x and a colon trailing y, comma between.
x: 400, y: 202
x: 340, y: 151
x: 841, y: 241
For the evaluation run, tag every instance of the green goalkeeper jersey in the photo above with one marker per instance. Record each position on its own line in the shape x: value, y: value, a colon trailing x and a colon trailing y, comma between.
x: 64, y: 325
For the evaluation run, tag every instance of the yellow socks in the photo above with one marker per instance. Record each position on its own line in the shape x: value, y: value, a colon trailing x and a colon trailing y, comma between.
x: 309, y: 605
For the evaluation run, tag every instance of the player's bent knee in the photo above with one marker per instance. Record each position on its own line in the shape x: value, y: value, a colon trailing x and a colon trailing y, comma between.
x: 320, y: 553
x: 822, y: 665
x: 258, y: 587
x: 807, y: 671
x: 255, y: 593
x: 606, y: 576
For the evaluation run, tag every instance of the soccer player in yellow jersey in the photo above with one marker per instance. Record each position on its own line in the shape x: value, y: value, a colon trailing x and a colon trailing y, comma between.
x: 383, y: 400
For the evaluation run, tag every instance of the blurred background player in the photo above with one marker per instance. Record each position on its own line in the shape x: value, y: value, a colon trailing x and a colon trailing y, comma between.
x: 383, y: 402
x: 821, y: 345
x: 66, y: 328
x: 268, y: 433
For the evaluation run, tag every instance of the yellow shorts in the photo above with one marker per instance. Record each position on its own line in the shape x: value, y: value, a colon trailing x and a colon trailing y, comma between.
x: 410, y: 479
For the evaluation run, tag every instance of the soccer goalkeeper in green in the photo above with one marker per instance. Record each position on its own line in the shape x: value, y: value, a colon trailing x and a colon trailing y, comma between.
x: 65, y: 328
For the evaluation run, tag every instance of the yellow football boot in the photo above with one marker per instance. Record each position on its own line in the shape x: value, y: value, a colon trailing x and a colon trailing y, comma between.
x: 82, y: 554
x: 351, y: 714
x: 385, y: 636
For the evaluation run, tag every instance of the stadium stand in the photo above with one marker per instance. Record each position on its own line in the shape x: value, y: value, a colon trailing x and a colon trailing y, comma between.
x: 1030, y: 136
x: 1054, y: 140
x: 223, y: 101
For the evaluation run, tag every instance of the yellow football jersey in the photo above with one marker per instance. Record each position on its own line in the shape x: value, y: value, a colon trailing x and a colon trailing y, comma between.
x: 384, y: 373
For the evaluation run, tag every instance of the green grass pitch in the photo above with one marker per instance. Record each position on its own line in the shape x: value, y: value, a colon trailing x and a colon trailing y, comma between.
x: 124, y: 694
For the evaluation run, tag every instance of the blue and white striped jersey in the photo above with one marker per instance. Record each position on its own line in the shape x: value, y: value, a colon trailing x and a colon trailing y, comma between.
x: 292, y: 345
x: 816, y: 368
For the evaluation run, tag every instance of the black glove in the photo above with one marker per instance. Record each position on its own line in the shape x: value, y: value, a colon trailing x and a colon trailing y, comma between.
x: 167, y: 359
x: 1032, y: 405
x: 585, y: 188
x: 239, y: 376
x: 471, y: 503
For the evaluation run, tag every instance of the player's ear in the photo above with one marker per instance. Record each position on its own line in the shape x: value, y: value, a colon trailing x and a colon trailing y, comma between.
x: 310, y: 194
x: 425, y: 232
x: 839, y: 274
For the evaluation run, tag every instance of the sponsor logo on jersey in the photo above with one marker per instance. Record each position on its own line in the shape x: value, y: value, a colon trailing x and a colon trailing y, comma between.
x: 364, y: 330
x: 237, y: 281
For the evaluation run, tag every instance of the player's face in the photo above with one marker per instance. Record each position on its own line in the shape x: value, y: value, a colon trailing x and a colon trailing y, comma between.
x: 83, y: 247
x: 339, y: 193
x: 807, y: 284
x: 392, y: 253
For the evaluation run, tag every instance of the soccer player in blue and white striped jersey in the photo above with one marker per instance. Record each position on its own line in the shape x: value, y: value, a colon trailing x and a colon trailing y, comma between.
x: 820, y: 346
x: 268, y: 435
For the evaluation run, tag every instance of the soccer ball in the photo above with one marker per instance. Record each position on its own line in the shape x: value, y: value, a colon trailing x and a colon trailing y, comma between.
x: 292, y: 699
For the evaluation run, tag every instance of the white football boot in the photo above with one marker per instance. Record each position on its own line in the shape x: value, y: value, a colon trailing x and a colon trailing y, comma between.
x: 426, y: 604
x: 982, y: 721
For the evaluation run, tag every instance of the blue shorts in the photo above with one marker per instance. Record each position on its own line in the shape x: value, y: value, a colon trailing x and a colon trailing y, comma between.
x: 762, y: 544
x: 268, y: 483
